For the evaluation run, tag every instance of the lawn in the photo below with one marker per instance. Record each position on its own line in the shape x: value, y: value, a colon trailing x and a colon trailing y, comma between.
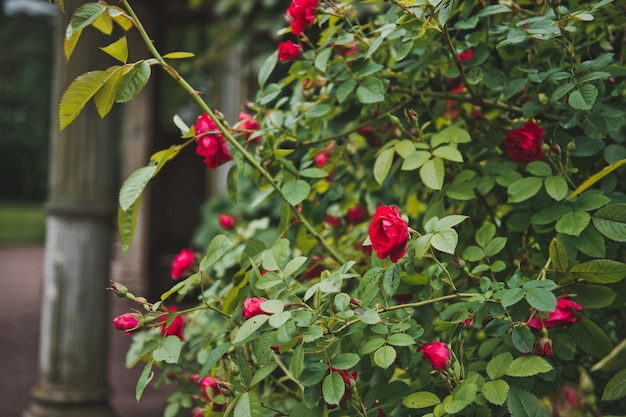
x: 21, y: 223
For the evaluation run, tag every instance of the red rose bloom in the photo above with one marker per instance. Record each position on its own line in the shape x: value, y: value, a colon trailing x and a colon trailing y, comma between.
x: 252, y: 307
x: 437, y: 354
x: 563, y: 315
x: 182, y: 262
x: 302, y: 14
x: 524, y: 144
x: 289, y: 51
x: 249, y: 124
x: 357, y: 214
x: 176, y: 326
x: 210, y: 143
x: 127, y: 322
x: 320, y: 158
x: 465, y: 55
x: 389, y: 233
x: 226, y: 222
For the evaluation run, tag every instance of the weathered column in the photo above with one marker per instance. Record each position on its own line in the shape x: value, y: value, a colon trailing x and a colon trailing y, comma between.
x: 80, y: 218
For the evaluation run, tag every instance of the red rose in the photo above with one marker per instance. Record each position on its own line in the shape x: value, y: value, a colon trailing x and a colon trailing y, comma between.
x: 210, y: 142
x: 249, y: 124
x: 389, y: 233
x: 302, y: 14
x: 524, y: 144
x: 252, y: 307
x: 176, y: 326
x: 226, y: 222
x: 289, y: 51
x: 333, y: 221
x: 563, y: 314
x: 544, y: 347
x: 465, y: 55
x: 182, y: 262
x: 357, y: 214
x: 127, y: 322
x: 320, y: 158
x: 437, y: 354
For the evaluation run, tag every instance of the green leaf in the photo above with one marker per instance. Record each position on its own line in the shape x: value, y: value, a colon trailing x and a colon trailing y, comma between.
x: 523, y: 189
x: 484, y: 235
x: 496, y: 391
x: 321, y: 59
x: 432, y: 173
x: 249, y: 327
x: 452, y: 134
x: 573, y: 223
x: 333, y: 388
x: 371, y: 91
x: 493, y: 9
x: 593, y: 296
x: 495, y: 246
x: 511, y: 296
x: 134, y: 186
x: 272, y: 306
x: 498, y: 365
x: 584, y: 97
x: 263, y: 372
x: 296, y: 364
x: 118, y: 49
x: 401, y: 339
x: 293, y: 265
x: 218, y: 246
x: 248, y: 405
x: 169, y: 350
x: 415, y: 160
x: 524, y: 404
x: 232, y: 183
x: 313, y: 173
x: 372, y: 345
x: 214, y: 356
x: 558, y: 255
x: 84, y: 16
x: 561, y: 91
x: 420, y: 399
x: 345, y: 89
x: 179, y: 55
x: 105, y: 96
x: 528, y: 366
x: 367, y: 315
x: 266, y: 69
x: 616, y: 387
x: 591, y: 338
x: 445, y: 240
x: 319, y: 110
x: 296, y: 191
x: 523, y: 339
x: 126, y: 224
x: 383, y: 165
x: 279, y: 319
x: 541, y: 299
x: 539, y: 169
x: 611, y: 221
x: 600, y: 271
x: 448, y: 152
x: 556, y: 187
x: 144, y: 379
x: 132, y: 82
x: 345, y: 361
x: 79, y: 92
x: 449, y: 221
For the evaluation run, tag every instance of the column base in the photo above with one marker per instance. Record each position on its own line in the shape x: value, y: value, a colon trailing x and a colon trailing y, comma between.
x: 37, y: 409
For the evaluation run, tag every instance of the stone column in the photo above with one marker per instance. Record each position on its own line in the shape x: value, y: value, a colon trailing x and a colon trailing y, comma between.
x: 80, y: 226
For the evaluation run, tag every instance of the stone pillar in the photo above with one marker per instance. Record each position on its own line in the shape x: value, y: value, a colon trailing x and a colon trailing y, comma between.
x: 80, y: 224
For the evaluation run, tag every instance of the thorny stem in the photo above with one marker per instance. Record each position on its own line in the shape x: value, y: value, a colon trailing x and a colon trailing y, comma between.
x: 227, y: 135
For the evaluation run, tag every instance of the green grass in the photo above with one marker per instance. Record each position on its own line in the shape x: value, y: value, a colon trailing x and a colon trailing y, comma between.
x: 21, y: 223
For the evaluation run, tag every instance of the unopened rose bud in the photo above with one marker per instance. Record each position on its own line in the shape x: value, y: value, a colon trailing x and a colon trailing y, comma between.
x: 458, y: 262
x: 555, y: 149
x: 119, y: 289
x: 544, y: 346
x: 356, y: 303
x: 226, y: 222
x: 128, y: 322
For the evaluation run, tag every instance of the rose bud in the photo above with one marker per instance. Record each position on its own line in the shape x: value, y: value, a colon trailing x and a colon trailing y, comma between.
x: 544, y: 346
x: 252, y: 307
x: 437, y: 354
x: 128, y: 322
x: 389, y: 233
x: 226, y: 222
x: 182, y: 262
x: 289, y: 51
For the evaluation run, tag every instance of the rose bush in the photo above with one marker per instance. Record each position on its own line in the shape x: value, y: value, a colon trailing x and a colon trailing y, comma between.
x: 476, y: 147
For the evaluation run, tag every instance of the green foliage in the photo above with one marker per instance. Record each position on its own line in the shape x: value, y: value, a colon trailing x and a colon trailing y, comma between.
x: 513, y: 258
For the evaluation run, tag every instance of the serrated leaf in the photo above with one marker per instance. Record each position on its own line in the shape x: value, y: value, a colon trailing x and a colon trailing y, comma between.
x: 179, y: 55
x: 498, y: 365
x: 511, y: 296
x: 616, y: 387
x: 573, y: 223
x: 345, y: 361
x: 333, y: 388
x: 313, y: 173
x: 591, y: 338
x: 293, y: 265
x: 218, y: 246
x: 448, y: 152
x: 561, y: 91
x: 248, y: 405
x: 400, y: 339
x: 496, y: 391
x: 371, y: 91
x: 495, y: 246
x: 600, y: 271
x: 319, y: 110
x: 169, y: 350
x: 79, y: 92
x: 105, y: 96
x: 367, y: 315
x: 118, y: 49
x: 132, y: 82
x: 432, y: 173
x: 541, y: 299
x: 528, y: 366
x: 558, y: 255
x: 134, y: 185
x: 611, y: 221
x: 249, y: 327
x: 420, y: 399
x: 126, y: 224
x: 84, y: 16
x: 266, y: 69
x: 263, y: 372
x: 296, y: 364
x: 103, y: 23
x: 449, y: 221
x: 445, y: 240
x: 522, y: 339
x: 69, y: 44
x: 345, y: 89
x: 594, y: 296
x: 372, y: 345
x: 415, y: 160
x: 214, y: 356
x: 321, y: 59
x: 384, y: 356
x: 296, y: 191
x: 523, y: 189
x: 279, y: 319
x: 524, y: 404
x: 383, y: 165
x: 584, y: 97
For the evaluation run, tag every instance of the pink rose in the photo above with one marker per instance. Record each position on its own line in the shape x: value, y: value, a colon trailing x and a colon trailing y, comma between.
x: 302, y: 14
x: 226, y: 222
x: 210, y: 142
x: 252, y: 307
x: 563, y: 315
x: 289, y: 51
x: 524, y: 144
x: 176, y: 326
x: 249, y: 125
x: 320, y: 158
x: 357, y: 214
x: 437, y: 354
x: 389, y: 233
x: 127, y: 322
x: 182, y: 262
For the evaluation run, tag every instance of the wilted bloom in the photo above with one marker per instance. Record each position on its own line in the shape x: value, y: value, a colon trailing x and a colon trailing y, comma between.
x: 127, y: 322
x: 302, y: 14
x: 563, y: 315
x: 289, y: 51
x: 524, y: 144
x: 252, y: 307
x: 182, y: 262
x: 389, y: 233
x: 465, y: 55
x: 226, y: 222
x: 544, y: 346
x: 437, y: 354
x: 176, y: 326
x: 210, y: 142
x: 357, y: 214
x: 249, y: 124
